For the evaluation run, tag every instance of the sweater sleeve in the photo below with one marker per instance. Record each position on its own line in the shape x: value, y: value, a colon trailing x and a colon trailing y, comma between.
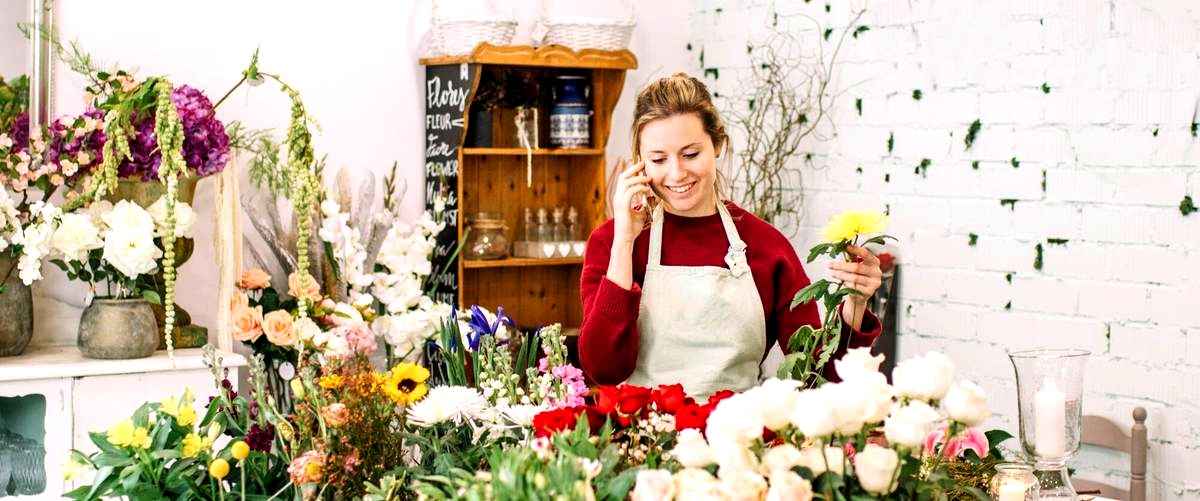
x: 608, y: 338
x: 785, y: 320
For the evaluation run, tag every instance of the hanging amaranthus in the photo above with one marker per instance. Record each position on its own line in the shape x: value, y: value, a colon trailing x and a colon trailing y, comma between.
x: 300, y: 163
x: 169, y: 131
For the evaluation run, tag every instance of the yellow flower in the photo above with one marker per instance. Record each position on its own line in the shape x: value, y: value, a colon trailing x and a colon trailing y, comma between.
x: 125, y: 434
x: 850, y: 224
x: 180, y: 408
x: 331, y: 381
x: 192, y: 445
x: 239, y: 450
x: 218, y: 468
x: 141, y: 438
x: 73, y: 469
x: 405, y: 383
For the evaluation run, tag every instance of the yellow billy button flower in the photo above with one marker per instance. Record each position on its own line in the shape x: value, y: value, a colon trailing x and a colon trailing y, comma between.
x: 239, y: 450
x: 850, y: 224
x: 405, y: 383
x: 218, y: 468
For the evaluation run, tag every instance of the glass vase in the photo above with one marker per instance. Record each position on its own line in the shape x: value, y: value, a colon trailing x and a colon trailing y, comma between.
x: 1050, y: 404
x: 1014, y: 482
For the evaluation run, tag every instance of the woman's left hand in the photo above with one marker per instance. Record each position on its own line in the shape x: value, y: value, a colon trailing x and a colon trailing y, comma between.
x: 863, y: 275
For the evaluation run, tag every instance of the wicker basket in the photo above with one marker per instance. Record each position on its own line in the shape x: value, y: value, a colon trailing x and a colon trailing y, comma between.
x: 458, y: 34
x: 590, y: 32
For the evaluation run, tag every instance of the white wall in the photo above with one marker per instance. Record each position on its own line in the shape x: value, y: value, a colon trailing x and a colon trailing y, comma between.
x: 1126, y: 285
x: 355, y: 67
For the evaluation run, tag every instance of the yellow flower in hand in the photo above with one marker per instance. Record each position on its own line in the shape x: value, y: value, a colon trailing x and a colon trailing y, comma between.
x: 405, y: 383
x: 180, y: 408
x: 851, y: 224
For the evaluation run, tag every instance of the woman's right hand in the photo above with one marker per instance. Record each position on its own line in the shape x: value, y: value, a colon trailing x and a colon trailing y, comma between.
x: 629, y: 203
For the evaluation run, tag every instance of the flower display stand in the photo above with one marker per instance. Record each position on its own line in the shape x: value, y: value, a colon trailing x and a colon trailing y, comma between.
x: 53, y: 396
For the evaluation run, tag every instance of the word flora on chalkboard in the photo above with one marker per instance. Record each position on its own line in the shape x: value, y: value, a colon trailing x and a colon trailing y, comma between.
x: 446, y: 90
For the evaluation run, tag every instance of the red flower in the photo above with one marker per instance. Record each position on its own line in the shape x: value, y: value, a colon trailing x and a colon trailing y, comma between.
x: 669, y: 398
x: 886, y: 262
x: 633, y: 399
x: 719, y: 396
x: 606, y: 399
x: 553, y: 421
x: 692, y: 416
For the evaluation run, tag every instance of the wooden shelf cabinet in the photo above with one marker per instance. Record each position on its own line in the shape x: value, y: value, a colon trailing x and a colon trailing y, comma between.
x: 505, y: 180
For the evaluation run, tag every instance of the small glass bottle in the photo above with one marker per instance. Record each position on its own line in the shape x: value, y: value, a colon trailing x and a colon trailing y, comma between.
x: 573, y: 225
x: 1014, y: 482
x: 530, y: 228
x: 545, y: 232
x: 560, y: 229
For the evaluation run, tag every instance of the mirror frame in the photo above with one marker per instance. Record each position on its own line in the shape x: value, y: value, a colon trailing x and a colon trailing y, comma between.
x: 41, y: 106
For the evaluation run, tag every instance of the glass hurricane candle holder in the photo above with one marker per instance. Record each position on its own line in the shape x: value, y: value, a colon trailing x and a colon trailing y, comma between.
x: 1014, y: 482
x: 1050, y: 403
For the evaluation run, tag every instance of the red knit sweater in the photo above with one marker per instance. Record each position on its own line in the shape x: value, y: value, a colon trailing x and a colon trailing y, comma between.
x: 608, y: 340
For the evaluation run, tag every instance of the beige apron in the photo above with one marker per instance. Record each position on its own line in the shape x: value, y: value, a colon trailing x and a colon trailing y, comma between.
x: 701, y: 326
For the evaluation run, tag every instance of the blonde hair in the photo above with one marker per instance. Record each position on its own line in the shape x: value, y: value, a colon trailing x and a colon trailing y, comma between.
x: 681, y: 94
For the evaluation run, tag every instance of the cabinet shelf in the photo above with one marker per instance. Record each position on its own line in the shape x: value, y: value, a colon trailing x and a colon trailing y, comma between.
x: 520, y: 262
x: 536, y: 151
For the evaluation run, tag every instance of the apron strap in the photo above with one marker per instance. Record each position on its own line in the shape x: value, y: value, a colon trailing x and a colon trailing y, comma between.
x: 735, y: 258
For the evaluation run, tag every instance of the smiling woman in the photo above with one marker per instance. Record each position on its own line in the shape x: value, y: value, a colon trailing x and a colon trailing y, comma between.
x: 700, y: 297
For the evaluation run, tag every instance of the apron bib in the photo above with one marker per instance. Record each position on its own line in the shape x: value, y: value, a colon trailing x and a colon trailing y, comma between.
x: 701, y: 326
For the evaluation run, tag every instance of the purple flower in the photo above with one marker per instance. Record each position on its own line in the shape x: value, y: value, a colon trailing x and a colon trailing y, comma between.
x: 64, y: 143
x: 19, y: 132
x: 259, y: 438
x: 480, y: 325
x: 205, y: 144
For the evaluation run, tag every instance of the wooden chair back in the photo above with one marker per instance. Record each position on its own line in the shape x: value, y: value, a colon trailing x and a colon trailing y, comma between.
x: 1102, y: 432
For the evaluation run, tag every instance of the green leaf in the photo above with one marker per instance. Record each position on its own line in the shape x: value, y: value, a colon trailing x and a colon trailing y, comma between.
x: 817, y: 250
x: 802, y: 334
x: 789, y: 364
x: 813, y: 291
x: 972, y: 131
x: 151, y: 297
x: 101, y: 441
x: 879, y: 240
x: 996, y: 437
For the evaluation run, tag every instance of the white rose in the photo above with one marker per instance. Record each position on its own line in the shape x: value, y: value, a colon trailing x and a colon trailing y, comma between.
x: 876, y: 469
x: 781, y: 457
x: 185, y: 218
x: 337, y: 346
x: 306, y: 329
x: 857, y: 363
x: 128, y: 217
x: 966, y: 403
x: 691, y: 450
x: 743, y: 485
x: 833, y: 460
x: 788, y: 486
x: 925, y: 377
x: 737, y: 420
x: 131, y: 252
x: 75, y: 236
x: 812, y: 414
x: 910, y: 424
x: 694, y: 483
x: 654, y: 485
x: 859, y: 402
x: 777, y: 401
x: 733, y: 457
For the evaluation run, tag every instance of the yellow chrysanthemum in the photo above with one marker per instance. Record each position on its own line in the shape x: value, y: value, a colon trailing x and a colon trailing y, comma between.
x: 850, y: 224
x: 192, y: 445
x: 125, y: 434
x: 331, y: 381
x: 180, y: 408
x: 405, y: 383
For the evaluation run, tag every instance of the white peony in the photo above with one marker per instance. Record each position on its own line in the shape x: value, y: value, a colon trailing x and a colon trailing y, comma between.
x: 812, y: 413
x: 128, y: 218
x: 910, y: 424
x: 691, y: 450
x: 695, y: 483
x: 857, y: 363
x: 447, y: 403
x: 185, y: 218
x: 654, y: 485
x: 132, y: 252
x: 876, y: 469
x: 788, y: 486
x: 781, y: 457
x: 743, y: 485
x: 776, y: 401
x: 925, y: 377
x: 966, y: 403
x: 833, y: 460
x: 307, y: 330
x: 76, y: 236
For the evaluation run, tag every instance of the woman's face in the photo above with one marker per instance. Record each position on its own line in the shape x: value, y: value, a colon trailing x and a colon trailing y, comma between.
x: 682, y: 164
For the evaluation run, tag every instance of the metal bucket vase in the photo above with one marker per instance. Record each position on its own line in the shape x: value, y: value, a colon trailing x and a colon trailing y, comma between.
x: 118, y: 329
x: 16, y: 310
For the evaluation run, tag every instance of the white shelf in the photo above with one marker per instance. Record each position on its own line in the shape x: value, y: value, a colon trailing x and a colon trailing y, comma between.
x: 50, y: 362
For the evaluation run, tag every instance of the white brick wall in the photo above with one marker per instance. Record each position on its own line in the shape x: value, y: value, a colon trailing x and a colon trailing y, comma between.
x: 1126, y: 284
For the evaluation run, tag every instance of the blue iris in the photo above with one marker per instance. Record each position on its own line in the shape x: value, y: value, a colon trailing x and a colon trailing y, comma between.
x: 480, y: 326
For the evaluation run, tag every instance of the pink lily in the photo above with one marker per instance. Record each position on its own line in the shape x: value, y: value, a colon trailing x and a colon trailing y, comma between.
x: 970, y: 439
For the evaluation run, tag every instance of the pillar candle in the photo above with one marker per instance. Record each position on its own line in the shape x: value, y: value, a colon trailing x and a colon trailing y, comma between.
x: 1012, y: 490
x: 1050, y: 421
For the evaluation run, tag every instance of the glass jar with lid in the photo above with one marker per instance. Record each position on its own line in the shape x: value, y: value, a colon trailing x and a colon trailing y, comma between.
x: 488, y: 237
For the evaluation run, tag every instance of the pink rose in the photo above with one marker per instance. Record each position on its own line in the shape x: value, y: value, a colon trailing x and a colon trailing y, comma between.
x: 335, y: 414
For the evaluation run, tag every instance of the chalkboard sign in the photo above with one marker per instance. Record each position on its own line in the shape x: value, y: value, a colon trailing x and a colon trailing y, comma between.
x: 446, y: 90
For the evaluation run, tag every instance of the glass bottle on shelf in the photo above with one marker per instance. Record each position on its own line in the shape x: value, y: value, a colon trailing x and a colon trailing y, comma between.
x: 545, y: 232
x: 573, y: 224
x: 530, y: 227
x: 560, y: 229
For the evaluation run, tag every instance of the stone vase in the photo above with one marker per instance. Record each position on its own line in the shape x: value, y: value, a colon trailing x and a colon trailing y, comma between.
x: 118, y: 329
x: 16, y: 310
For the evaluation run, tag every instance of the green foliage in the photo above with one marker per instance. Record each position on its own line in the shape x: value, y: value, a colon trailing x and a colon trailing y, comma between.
x: 916, y: 94
x: 858, y: 105
x: 923, y: 166
x: 828, y: 32
x: 975, y: 164
x: 712, y: 72
x: 1056, y: 241
x: 1187, y: 206
x: 1155, y: 133
x: 1010, y: 202
x: 972, y: 239
x: 1045, y: 88
x: 1037, y: 260
x: 860, y: 30
x: 1008, y: 277
x: 891, y: 142
x: 972, y: 132
x: 1015, y: 163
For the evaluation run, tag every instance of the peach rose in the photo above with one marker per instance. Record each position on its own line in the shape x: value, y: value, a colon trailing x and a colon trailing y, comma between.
x: 254, y: 279
x: 239, y: 300
x: 304, y: 286
x: 278, y: 326
x: 335, y: 414
x: 247, y: 323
